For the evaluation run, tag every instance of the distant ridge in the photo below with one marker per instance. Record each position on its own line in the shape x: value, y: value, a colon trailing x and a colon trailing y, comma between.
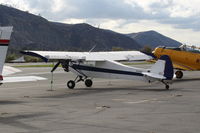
x: 153, y: 39
x: 37, y: 33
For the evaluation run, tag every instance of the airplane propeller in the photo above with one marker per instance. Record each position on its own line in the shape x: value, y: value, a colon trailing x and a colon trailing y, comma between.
x: 54, y: 68
x: 65, y: 65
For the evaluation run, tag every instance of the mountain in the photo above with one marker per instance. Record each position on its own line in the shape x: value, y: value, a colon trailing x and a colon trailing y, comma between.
x: 153, y: 39
x: 37, y: 33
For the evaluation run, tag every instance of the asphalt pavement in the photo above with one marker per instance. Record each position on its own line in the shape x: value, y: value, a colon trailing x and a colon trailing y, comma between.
x: 109, y: 106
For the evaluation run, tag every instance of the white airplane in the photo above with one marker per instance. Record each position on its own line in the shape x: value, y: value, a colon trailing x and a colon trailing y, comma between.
x: 5, y: 33
x: 89, y: 65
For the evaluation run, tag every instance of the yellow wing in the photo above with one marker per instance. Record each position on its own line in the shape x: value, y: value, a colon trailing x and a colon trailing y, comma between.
x: 182, y: 67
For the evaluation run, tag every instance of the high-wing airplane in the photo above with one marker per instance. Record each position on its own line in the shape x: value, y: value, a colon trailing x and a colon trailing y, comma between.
x: 89, y: 65
x: 183, y: 58
x: 5, y: 33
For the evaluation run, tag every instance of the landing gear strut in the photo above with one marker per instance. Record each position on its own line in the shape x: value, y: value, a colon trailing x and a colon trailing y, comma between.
x: 71, y: 84
x: 179, y: 74
x: 166, y: 85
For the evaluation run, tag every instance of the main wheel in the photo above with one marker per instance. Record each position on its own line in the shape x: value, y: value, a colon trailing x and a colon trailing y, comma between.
x: 179, y: 74
x: 88, y: 82
x: 71, y: 84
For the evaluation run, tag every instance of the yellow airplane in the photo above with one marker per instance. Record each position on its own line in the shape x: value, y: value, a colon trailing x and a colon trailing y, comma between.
x: 183, y: 58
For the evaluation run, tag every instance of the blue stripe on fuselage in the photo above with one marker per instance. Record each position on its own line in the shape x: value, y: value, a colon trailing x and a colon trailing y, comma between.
x: 104, y: 70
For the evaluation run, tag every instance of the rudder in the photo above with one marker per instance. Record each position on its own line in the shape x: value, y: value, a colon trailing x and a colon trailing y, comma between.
x: 5, y: 33
x: 169, y: 70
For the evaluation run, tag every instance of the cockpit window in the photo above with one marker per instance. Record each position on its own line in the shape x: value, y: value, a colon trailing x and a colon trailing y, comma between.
x: 174, y: 48
x: 187, y: 48
x: 183, y: 47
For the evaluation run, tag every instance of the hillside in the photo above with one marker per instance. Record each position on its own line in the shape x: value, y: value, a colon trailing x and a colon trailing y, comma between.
x: 153, y: 39
x: 35, y: 32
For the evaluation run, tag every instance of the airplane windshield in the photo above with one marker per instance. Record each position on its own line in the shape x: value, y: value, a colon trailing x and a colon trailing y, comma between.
x: 192, y: 49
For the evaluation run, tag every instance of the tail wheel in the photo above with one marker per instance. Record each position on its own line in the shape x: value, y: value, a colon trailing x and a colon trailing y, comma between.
x: 179, y: 74
x: 167, y: 87
x: 71, y: 84
x: 88, y: 82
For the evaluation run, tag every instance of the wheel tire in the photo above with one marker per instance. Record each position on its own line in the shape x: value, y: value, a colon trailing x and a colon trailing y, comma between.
x: 179, y: 74
x: 71, y: 84
x: 88, y: 82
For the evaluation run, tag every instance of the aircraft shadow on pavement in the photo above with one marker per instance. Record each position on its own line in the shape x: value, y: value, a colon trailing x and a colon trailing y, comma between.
x: 89, y: 91
x: 6, y: 102
x: 15, y: 120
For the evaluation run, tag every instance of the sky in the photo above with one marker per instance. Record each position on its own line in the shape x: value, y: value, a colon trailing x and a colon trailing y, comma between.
x: 177, y: 19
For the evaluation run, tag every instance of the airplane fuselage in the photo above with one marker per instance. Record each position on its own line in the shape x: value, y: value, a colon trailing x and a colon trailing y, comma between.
x: 107, y: 70
x: 184, y: 60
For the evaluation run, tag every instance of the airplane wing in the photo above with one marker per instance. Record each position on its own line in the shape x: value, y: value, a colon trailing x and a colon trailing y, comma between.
x: 182, y: 67
x: 89, y: 56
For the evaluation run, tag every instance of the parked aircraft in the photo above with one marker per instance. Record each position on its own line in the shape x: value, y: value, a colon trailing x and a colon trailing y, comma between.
x: 5, y: 33
x: 183, y: 58
x: 89, y: 65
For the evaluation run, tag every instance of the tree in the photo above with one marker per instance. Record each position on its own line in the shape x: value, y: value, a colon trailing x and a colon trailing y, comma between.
x: 32, y: 59
x: 147, y: 49
x: 117, y: 49
x: 11, y: 57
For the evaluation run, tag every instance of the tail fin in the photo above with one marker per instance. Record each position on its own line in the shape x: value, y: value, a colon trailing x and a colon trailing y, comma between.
x: 163, y: 67
x: 5, y: 33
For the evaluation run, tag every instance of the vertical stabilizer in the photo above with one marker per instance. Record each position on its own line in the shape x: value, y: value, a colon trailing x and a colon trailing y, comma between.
x: 163, y: 67
x: 5, y: 33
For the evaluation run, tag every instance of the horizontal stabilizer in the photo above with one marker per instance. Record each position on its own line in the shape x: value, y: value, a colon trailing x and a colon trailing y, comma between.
x: 22, y: 79
x: 8, y: 70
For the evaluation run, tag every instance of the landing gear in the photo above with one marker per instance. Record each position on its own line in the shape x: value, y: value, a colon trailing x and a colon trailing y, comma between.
x: 71, y: 84
x: 179, y: 74
x: 88, y: 82
x: 167, y: 87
